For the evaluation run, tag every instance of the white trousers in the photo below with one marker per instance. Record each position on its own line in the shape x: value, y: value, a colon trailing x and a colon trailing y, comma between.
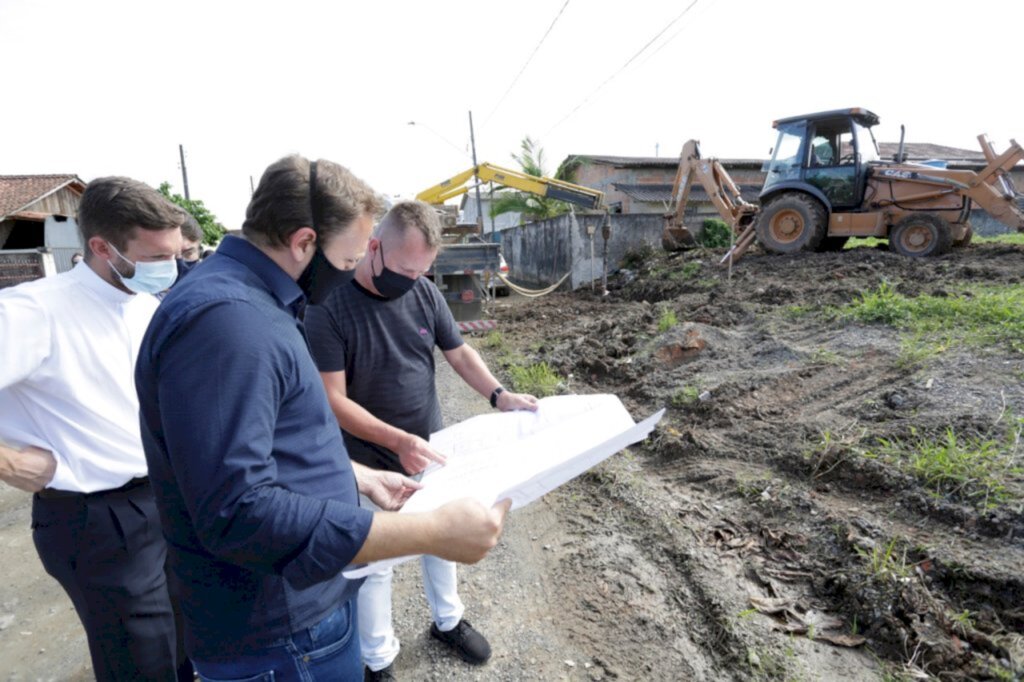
x: 376, y: 632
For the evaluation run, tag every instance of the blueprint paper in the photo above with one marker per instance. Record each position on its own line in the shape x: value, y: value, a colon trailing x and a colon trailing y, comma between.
x: 522, y: 455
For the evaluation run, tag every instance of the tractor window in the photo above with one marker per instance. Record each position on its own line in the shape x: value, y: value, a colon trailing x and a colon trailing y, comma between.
x: 866, y: 143
x: 786, y: 162
x: 832, y: 166
x: 821, y: 152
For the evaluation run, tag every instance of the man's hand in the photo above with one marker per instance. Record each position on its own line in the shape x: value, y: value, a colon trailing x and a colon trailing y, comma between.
x: 387, y: 489
x: 415, y: 454
x: 508, y: 401
x: 29, y: 469
x: 466, y: 530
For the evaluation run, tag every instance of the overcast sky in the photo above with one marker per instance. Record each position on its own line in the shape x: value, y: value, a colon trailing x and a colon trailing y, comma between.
x: 102, y: 87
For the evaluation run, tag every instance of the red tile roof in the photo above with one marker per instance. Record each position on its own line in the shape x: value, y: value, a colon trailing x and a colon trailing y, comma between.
x: 18, y: 191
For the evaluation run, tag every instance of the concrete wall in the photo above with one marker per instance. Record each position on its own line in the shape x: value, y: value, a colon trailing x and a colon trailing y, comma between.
x: 539, y: 254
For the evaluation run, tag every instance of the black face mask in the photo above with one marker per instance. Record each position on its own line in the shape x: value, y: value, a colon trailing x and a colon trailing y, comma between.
x: 320, y: 278
x: 184, y: 267
x: 389, y: 283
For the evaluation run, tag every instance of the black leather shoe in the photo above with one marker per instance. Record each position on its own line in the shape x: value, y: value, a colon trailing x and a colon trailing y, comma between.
x: 469, y: 644
x: 384, y: 675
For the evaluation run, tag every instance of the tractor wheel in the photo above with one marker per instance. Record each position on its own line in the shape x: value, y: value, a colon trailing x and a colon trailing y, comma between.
x: 833, y: 243
x: 791, y: 222
x: 921, y: 235
x: 965, y: 240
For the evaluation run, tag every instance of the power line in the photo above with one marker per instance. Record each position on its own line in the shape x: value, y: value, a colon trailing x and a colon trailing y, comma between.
x: 528, y: 60
x: 623, y: 67
x: 704, y: 9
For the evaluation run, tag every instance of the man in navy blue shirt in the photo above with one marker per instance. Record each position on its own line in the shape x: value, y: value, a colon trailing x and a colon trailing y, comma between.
x: 258, y: 498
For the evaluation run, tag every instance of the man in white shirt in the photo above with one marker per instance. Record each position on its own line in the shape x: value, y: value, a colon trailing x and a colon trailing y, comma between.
x: 69, y: 426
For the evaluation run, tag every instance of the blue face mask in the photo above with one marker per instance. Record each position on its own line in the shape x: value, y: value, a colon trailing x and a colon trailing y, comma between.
x: 150, y: 277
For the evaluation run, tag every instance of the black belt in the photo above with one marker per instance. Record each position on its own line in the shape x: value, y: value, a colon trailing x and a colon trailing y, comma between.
x: 54, y: 494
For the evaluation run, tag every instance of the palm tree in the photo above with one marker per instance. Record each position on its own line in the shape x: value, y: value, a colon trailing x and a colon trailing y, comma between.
x: 531, y: 160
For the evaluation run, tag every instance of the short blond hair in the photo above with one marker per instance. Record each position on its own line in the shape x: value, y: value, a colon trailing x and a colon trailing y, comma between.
x: 416, y: 214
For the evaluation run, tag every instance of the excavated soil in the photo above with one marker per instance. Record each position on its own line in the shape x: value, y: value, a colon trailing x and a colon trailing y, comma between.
x: 749, y: 537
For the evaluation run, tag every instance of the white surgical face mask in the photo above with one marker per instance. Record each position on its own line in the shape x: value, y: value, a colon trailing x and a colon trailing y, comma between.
x: 150, y: 277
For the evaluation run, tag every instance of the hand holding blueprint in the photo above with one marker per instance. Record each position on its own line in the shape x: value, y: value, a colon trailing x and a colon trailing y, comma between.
x: 522, y: 455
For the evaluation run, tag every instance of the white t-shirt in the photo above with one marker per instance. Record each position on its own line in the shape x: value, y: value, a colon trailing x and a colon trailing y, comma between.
x: 68, y: 346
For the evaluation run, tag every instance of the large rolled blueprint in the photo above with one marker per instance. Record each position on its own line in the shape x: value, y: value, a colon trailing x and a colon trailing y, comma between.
x: 522, y: 455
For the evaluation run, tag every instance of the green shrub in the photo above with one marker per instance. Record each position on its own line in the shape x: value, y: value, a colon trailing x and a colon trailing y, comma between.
x: 716, y: 234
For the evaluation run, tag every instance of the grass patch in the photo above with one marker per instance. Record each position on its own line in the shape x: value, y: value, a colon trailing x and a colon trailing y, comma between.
x: 864, y: 243
x: 974, y: 469
x: 687, y: 271
x: 1009, y: 238
x: 886, y: 562
x: 687, y: 395
x: 824, y: 356
x: 537, y: 379
x: 667, y: 320
x: 494, y: 341
x: 978, y: 317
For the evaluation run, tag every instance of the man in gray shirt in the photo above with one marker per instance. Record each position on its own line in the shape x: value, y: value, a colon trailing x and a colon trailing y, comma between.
x: 373, y: 341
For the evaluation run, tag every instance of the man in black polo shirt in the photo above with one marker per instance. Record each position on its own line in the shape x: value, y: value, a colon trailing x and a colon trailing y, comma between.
x: 373, y: 341
x: 256, y: 493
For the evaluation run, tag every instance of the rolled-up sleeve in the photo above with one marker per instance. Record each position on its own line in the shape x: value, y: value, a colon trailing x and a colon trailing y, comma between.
x: 220, y: 383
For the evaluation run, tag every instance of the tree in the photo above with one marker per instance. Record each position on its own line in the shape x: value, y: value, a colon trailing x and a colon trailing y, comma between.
x: 213, y: 231
x: 531, y: 159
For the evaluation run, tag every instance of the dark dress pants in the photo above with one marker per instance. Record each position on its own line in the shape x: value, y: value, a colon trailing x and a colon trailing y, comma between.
x: 108, y: 553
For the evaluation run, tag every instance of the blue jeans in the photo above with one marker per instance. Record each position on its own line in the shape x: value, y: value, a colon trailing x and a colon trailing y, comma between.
x: 325, y: 652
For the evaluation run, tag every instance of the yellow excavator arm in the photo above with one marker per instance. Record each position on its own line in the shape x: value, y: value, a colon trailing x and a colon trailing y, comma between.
x: 540, y: 186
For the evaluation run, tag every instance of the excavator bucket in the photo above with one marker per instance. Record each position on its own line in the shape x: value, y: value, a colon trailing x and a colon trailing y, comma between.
x: 676, y: 237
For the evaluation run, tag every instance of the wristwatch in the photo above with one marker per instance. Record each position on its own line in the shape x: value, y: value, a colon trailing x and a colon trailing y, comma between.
x: 494, y: 395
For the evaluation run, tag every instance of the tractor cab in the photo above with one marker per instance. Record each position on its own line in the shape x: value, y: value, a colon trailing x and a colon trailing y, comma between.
x: 824, y: 154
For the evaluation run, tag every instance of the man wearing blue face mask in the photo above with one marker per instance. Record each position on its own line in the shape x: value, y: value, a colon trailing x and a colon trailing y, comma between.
x: 368, y: 338
x: 69, y: 426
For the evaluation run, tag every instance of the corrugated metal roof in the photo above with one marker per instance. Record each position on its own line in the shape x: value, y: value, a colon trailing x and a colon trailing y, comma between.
x: 18, y: 191
x: 654, y: 161
x: 922, y: 151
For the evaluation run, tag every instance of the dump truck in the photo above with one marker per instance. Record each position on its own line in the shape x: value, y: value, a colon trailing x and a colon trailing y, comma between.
x: 826, y: 182
x: 467, y: 261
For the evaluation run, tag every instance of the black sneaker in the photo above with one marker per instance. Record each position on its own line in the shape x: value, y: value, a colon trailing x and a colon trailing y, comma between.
x: 383, y: 675
x: 469, y: 644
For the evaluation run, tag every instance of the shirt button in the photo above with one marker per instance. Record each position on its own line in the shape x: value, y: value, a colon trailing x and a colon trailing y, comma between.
x: 305, y: 659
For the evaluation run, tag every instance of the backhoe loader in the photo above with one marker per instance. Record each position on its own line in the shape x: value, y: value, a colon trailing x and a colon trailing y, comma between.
x: 826, y: 183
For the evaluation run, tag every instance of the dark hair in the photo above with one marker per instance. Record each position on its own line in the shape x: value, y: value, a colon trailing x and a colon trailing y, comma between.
x: 113, y: 207
x: 191, y: 230
x: 284, y: 201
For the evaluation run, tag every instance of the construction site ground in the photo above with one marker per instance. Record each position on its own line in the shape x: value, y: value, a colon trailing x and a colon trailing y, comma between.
x: 762, y: 532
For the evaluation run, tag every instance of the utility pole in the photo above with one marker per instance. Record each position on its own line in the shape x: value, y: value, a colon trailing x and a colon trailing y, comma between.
x: 476, y: 176
x: 252, y: 187
x: 184, y: 173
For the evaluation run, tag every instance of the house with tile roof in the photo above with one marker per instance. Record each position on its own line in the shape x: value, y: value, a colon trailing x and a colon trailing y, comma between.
x: 38, y: 213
